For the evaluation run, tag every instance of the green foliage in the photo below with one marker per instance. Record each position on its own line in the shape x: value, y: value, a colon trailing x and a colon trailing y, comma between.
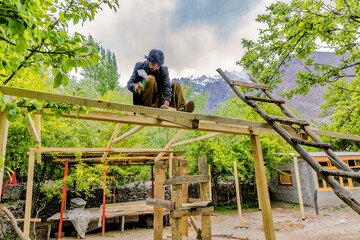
x: 34, y: 34
x: 103, y: 76
x: 294, y: 30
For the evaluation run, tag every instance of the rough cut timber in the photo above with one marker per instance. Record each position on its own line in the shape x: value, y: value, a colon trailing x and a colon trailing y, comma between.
x: 249, y: 85
x: 264, y: 99
x: 288, y: 121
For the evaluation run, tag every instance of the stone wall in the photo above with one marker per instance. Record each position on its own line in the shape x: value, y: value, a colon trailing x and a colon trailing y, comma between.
x: 17, y: 209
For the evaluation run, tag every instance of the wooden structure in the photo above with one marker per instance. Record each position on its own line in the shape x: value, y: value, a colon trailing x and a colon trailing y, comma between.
x: 146, y: 116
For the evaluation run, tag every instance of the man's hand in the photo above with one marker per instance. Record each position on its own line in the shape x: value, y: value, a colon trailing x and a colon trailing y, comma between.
x: 138, y: 87
x: 165, y: 105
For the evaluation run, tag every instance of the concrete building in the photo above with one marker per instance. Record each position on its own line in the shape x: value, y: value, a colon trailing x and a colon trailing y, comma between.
x: 283, y: 185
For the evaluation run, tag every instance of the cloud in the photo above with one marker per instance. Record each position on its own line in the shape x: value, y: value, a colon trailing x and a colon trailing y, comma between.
x: 197, y: 37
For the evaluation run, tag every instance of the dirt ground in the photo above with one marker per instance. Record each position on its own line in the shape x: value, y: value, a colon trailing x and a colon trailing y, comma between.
x: 332, y: 223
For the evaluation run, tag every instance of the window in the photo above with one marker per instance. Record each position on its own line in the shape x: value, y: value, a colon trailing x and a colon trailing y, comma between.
x: 285, y: 178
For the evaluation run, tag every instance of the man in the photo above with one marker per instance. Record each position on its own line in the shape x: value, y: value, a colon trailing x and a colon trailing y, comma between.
x: 156, y: 91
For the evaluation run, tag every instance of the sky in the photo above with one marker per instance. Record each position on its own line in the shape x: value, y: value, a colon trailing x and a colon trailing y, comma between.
x: 196, y: 36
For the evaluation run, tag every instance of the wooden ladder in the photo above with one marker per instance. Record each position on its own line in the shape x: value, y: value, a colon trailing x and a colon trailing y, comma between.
x: 274, y: 122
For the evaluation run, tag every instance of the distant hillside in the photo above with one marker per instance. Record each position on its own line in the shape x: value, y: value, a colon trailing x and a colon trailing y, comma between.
x: 308, y: 106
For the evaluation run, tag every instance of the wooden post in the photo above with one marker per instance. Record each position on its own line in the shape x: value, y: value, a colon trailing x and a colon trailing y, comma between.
x: 29, y: 190
x: 205, y: 196
x: 38, y: 131
x: 104, y: 200
x: 159, y: 194
x: 316, y: 202
x: 152, y: 181
x: 184, y: 171
x: 4, y: 128
x: 238, y: 199
x: 262, y: 188
x: 210, y: 187
x: 63, y: 201
x: 176, y: 196
x: 298, y: 185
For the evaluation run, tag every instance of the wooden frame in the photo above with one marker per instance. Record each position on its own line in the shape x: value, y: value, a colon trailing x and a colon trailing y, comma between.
x: 154, y: 117
x: 282, y: 178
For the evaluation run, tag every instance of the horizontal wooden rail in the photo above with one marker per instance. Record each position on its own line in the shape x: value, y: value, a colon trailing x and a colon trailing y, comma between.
x: 264, y: 99
x: 198, y: 204
x: 288, y: 121
x: 249, y: 84
x: 161, y: 203
x: 178, y: 180
x: 120, y: 150
x: 184, y: 212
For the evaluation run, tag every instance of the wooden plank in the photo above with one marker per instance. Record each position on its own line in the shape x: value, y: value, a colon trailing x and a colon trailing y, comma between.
x: 176, y: 196
x: 211, y: 135
x: 193, y: 224
x: 237, y: 126
x: 184, y: 164
x: 238, y: 199
x: 29, y: 190
x: 311, y: 144
x: 194, y: 200
x: 249, y: 85
x: 4, y: 129
x: 288, y: 121
x: 263, y: 188
x: 298, y: 186
x: 119, y: 150
x: 264, y: 99
x: 31, y: 220
x: 336, y: 135
x: 159, y: 194
x: 185, y: 212
x: 161, y: 203
x: 113, y: 136
x: 38, y: 131
x: 205, y: 196
x: 198, y: 204
x: 187, y: 179
x: 174, y: 139
x: 127, y: 134
x: 189, y: 123
x: 32, y: 129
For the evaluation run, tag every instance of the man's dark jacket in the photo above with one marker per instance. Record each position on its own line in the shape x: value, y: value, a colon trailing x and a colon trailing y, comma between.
x: 162, y: 80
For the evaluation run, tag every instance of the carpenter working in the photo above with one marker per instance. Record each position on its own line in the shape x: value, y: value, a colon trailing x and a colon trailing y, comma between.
x: 150, y: 85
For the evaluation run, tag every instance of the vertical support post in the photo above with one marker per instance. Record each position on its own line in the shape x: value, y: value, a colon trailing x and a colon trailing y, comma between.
x: 4, y: 128
x: 205, y: 196
x: 238, y: 199
x: 104, y: 199
x: 176, y: 196
x: 262, y: 188
x: 184, y: 172
x: 63, y: 200
x: 159, y: 194
x: 29, y: 190
x: 38, y: 131
x: 210, y: 187
x: 152, y: 181
x: 298, y: 185
x: 316, y: 202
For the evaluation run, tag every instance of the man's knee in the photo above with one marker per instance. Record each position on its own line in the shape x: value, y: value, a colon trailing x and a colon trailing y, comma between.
x: 175, y: 85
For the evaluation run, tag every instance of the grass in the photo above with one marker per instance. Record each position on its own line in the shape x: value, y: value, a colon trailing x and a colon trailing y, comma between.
x: 339, y: 207
x: 233, y: 208
x: 295, y: 206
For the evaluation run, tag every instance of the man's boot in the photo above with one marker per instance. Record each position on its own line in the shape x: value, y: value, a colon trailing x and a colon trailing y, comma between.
x: 190, y: 106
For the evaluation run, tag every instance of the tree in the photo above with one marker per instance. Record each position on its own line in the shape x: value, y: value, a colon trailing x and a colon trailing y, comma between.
x: 34, y: 34
x: 295, y: 30
x: 104, y: 75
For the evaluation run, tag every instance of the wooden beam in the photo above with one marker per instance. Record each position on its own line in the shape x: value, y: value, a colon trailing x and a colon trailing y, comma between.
x: 189, y: 123
x: 184, y: 171
x: 174, y: 139
x: 211, y: 135
x: 127, y: 134
x: 205, y: 196
x: 213, y: 124
x: 176, y: 196
x: 336, y: 135
x: 249, y: 85
x: 38, y: 131
x: 4, y: 129
x: 160, y: 203
x: 298, y: 186
x: 238, y: 199
x: 198, y: 204
x: 187, y: 179
x: 29, y: 190
x: 159, y: 194
x: 263, y: 188
x: 119, y: 150
x: 264, y: 99
x: 113, y: 136
x: 185, y: 212
x: 32, y: 129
